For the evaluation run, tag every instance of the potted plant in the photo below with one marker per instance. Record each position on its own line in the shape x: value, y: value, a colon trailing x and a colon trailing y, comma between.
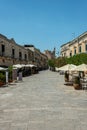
x: 2, y: 79
x: 76, y: 82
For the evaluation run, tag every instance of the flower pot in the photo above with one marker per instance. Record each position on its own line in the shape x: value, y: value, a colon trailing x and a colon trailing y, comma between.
x: 1, y: 84
x: 10, y: 81
x: 77, y: 86
x: 76, y: 82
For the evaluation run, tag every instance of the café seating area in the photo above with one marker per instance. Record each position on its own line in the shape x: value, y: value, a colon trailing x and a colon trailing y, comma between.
x: 75, y: 75
x: 83, y: 82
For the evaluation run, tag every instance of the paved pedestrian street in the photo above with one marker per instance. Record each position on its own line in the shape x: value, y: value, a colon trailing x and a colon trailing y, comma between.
x: 42, y: 102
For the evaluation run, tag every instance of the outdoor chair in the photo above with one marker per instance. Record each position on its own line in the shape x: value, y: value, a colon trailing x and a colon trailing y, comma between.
x: 84, y: 85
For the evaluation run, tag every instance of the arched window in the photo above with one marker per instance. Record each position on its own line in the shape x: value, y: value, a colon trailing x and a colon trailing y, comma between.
x: 86, y: 47
x: 25, y: 56
x: 80, y: 49
x: 70, y: 53
x: 75, y: 51
x: 13, y: 52
x: 3, y: 49
x: 64, y: 54
x: 20, y: 55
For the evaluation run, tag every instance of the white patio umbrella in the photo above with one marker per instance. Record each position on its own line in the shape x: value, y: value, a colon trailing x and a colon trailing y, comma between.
x: 23, y: 65
x: 30, y: 65
x: 1, y: 68
x: 56, y: 68
x: 82, y: 67
x: 68, y: 67
x: 18, y: 66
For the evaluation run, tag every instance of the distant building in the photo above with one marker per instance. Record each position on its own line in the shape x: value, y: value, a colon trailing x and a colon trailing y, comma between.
x: 50, y: 54
x: 30, y: 49
x: 76, y: 46
x: 37, y: 57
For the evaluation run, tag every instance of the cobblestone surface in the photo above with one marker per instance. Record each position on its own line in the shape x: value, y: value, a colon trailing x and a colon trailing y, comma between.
x: 42, y: 102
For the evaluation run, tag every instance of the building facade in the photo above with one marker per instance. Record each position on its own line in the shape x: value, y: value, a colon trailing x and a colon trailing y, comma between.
x: 36, y: 57
x: 30, y: 49
x: 76, y: 46
x: 12, y: 53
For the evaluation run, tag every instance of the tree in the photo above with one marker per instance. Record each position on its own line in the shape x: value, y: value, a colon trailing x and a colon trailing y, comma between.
x: 51, y: 63
x: 78, y: 59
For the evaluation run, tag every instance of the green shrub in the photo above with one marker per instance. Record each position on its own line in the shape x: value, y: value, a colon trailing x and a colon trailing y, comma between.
x: 2, y: 77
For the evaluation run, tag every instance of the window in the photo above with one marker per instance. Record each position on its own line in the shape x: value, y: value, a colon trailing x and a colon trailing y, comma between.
x: 75, y: 51
x: 79, y: 49
x: 13, y: 53
x: 86, y: 47
x: 3, y: 49
x: 25, y: 56
x: 64, y: 54
x: 70, y: 54
x: 20, y: 56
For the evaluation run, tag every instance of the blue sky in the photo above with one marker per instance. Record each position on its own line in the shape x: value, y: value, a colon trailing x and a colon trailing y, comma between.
x: 44, y: 23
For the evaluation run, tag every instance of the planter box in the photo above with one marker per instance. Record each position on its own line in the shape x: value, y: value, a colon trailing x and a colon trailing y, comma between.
x: 1, y: 84
x: 77, y: 86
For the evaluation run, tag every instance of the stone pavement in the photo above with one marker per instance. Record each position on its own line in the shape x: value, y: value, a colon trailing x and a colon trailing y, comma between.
x: 42, y: 102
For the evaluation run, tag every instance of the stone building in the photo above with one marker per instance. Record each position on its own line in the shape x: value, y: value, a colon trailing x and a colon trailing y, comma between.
x: 50, y: 54
x: 44, y: 61
x: 76, y: 46
x: 12, y: 53
x: 37, y: 58
x: 30, y: 49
